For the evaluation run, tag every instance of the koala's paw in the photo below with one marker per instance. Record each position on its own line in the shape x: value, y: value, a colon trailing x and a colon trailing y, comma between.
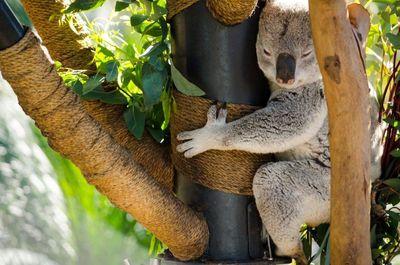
x: 206, y: 138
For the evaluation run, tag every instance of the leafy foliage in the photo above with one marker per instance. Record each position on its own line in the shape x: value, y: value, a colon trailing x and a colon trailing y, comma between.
x: 384, y: 39
x: 133, y: 65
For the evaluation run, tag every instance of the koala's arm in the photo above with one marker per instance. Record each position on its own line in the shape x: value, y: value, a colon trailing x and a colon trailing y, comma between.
x: 291, y: 118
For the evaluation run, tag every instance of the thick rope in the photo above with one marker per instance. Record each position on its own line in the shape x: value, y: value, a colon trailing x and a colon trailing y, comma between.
x: 106, y: 164
x: 231, y: 12
x: 231, y: 171
x: 176, y: 6
x: 228, y: 12
x: 73, y: 51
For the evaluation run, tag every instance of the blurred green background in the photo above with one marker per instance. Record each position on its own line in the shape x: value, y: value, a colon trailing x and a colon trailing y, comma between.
x: 48, y: 213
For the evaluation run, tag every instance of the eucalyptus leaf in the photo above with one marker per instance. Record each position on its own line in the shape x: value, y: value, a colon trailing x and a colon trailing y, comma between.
x: 164, y: 27
x: 393, y: 183
x: 395, y: 153
x: 154, y: 76
x: 114, y: 97
x: 157, y: 134
x: 385, y: 1
x: 137, y: 19
x: 84, y: 5
x: 328, y: 253
x: 153, y: 30
x: 154, y: 50
x: 112, y: 71
x: 395, y: 216
x: 394, y: 39
x: 119, y: 5
x: 92, y: 83
x: 135, y: 120
x: 183, y: 85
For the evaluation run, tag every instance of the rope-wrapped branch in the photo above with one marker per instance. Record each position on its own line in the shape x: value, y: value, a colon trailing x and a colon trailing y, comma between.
x: 106, y: 164
x: 73, y: 51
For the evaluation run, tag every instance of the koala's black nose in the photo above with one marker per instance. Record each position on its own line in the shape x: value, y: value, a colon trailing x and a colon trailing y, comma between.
x: 285, y: 68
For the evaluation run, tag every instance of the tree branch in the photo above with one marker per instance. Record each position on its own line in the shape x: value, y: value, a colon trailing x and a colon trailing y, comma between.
x: 346, y: 90
x: 71, y: 131
x: 73, y: 51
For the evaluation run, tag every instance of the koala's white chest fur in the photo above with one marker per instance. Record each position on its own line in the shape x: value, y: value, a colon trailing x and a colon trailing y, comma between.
x: 311, y: 146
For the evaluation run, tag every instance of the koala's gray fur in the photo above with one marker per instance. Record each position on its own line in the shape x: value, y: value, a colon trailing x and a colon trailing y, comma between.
x: 296, y: 189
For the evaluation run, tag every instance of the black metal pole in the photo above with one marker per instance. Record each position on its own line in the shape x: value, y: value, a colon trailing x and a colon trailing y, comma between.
x: 11, y: 30
x: 222, y: 61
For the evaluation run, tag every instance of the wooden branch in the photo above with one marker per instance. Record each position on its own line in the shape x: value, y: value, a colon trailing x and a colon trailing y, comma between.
x: 346, y: 90
x: 73, y: 51
x: 108, y: 166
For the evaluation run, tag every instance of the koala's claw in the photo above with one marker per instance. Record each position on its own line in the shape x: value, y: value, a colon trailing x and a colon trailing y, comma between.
x: 203, y: 139
x: 185, y: 136
x: 216, y: 117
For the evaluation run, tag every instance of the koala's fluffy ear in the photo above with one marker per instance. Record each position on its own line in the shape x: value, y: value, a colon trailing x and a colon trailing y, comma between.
x: 360, y: 20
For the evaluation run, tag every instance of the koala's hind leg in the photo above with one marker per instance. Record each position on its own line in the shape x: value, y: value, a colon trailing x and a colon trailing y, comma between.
x: 289, y: 194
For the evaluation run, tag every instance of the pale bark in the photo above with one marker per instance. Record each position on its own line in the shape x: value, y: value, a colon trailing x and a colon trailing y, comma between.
x: 346, y: 90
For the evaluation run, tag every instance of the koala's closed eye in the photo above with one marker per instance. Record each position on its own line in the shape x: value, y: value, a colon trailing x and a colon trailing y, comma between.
x: 267, y: 53
x: 307, y: 53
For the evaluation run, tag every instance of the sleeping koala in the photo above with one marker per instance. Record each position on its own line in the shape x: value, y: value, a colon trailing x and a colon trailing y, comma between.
x: 296, y: 189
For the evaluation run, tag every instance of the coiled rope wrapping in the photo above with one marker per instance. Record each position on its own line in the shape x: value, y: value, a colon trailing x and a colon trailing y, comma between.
x: 105, y: 163
x: 228, y: 171
x: 229, y: 12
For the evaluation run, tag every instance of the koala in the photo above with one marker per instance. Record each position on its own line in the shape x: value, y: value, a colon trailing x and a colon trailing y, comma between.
x: 295, y: 189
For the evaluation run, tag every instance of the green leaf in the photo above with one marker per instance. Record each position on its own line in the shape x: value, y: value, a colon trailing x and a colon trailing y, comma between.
x: 183, y: 85
x: 393, y: 183
x: 323, y: 245
x: 385, y: 1
x: 153, y: 30
x: 164, y: 27
x: 112, y: 71
x: 159, y: 11
x: 166, y: 107
x: 119, y: 5
x: 395, y: 216
x: 147, y: 4
x: 392, y: 122
x: 154, y: 76
x: 328, y: 253
x: 395, y: 153
x: 83, y: 5
x: 155, y: 50
x: 394, y: 39
x: 137, y: 19
x: 76, y: 86
x: 157, y: 134
x: 111, y: 97
x: 92, y: 83
x: 135, y: 120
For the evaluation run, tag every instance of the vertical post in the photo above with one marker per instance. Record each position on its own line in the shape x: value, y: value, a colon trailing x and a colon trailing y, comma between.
x: 11, y: 30
x: 346, y: 90
x: 222, y: 61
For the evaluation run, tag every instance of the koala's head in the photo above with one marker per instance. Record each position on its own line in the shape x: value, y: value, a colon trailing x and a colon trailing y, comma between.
x: 285, y: 49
